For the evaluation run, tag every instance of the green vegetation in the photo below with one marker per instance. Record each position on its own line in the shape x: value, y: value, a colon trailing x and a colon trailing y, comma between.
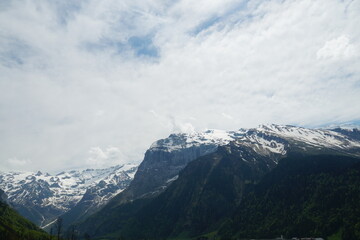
x: 206, y: 192
x: 110, y: 220
x: 15, y: 227
x: 222, y: 196
x: 336, y: 236
x: 304, y: 196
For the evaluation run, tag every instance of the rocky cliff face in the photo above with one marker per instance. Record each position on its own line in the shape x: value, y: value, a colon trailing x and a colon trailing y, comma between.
x: 167, y: 157
x: 160, y: 168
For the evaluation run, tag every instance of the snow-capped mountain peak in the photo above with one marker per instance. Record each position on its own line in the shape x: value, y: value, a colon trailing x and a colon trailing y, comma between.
x: 314, y: 137
x: 186, y: 140
x: 268, y: 139
x: 62, y: 191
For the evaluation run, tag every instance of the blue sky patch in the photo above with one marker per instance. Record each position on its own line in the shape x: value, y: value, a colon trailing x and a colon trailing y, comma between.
x: 205, y: 25
x: 143, y: 46
x: 140, y: 46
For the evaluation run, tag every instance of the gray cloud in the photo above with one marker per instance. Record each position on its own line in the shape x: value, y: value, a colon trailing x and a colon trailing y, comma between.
x: 75, y: 78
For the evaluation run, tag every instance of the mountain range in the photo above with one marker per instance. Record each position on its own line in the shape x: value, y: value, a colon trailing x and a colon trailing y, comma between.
x: 208, y: 187
x: 251, y: 183
x: 41, y: 197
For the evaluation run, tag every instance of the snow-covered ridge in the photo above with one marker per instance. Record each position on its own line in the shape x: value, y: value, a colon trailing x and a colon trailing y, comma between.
x: 186, y: 140
x: 314, y: 137
x: 63, y: 190
x: 264, y: 139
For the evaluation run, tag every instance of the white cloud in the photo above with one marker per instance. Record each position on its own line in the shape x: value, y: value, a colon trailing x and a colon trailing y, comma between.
x: 337, y: 48
x: 99, y: 158
x: 227, y: 116
x: 16, y: 164
x: 175, y: 124
x: 78, y: 75
x: 185, y: 128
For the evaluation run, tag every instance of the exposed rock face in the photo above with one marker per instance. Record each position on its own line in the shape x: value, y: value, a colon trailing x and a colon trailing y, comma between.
x: 167, y: 157
x: 160, y: 168
x: 353, y: 133
x: 3, y: 197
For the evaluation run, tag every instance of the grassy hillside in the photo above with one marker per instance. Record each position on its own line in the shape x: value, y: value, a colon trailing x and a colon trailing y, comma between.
x: 15, y: 227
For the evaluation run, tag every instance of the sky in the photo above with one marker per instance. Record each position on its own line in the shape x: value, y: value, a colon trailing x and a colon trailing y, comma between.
x: 94, y: 83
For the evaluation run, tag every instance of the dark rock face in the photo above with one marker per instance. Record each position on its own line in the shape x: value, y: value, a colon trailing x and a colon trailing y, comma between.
x: 167, y: 157
x: 160, y: 168
x: 3, y: 197
x: 352, y: 133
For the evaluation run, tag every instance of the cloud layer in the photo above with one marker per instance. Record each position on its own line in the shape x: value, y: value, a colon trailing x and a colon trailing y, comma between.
x: 79, y: 77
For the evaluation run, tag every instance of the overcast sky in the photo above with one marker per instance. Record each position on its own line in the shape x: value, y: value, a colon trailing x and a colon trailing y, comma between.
x: 94, y: 83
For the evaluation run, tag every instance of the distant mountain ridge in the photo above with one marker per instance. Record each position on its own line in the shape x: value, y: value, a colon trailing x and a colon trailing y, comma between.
x: 41, y: 197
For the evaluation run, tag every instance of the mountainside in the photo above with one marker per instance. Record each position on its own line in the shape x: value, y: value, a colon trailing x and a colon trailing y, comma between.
x: 41, y: 197
x: 15, y: 227
x: 97, y: 195
x: 314, y: 195
x: 208, y: 189
x: 161, y: 165
x: 166, y: 157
